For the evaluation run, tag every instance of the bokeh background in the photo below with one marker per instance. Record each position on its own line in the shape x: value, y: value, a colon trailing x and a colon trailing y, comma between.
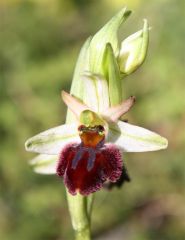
x: 39, y: 44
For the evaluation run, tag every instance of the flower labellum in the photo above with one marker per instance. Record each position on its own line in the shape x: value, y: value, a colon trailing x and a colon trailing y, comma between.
x: 86, y: 166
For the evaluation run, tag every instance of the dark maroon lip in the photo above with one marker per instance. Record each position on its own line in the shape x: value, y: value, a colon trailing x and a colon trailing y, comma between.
x: 85, y: 170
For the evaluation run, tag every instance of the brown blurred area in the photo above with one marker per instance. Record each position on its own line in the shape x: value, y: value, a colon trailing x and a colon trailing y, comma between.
x: 39, y: 44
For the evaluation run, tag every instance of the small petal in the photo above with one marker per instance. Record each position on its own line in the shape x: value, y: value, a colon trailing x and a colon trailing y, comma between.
x: 106, y: 34
x: 114, y: 113
x: 53, y: 140
x: 74, y: 104
x: 44, y: 164
x: 131, y: 138
x: 96, y: 94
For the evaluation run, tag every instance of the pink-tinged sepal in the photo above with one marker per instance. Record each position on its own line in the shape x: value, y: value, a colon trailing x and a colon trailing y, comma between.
x: 84, y: 169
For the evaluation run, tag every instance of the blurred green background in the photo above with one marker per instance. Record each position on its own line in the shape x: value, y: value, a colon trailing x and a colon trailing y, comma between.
x: 39, y: 44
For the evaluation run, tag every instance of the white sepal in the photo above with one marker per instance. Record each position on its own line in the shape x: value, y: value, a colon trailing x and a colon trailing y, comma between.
x: 131, y: 138
x: 44, y: 164
x: 53, y: 140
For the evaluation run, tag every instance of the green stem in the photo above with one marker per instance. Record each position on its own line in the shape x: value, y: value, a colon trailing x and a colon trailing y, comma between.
x: 83, y: 234
x: 80, y: 216
x: 90, y: 201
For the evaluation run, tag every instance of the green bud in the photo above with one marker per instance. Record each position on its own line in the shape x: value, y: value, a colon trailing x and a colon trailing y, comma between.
x: 106, y: 34
x: 133, y: 50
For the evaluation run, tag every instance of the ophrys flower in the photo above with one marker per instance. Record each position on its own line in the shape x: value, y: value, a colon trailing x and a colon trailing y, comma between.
x: 89, y: 151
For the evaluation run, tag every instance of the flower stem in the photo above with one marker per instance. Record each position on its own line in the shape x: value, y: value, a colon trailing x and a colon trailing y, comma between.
x: 83, y: 234
x: 80, y: 216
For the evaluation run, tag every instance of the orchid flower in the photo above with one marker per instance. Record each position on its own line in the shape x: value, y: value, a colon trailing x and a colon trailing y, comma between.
x: 89, y: 151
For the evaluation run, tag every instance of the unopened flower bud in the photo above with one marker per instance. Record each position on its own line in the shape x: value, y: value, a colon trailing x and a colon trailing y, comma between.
x: 107, y: 34
x: 133, y: 50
